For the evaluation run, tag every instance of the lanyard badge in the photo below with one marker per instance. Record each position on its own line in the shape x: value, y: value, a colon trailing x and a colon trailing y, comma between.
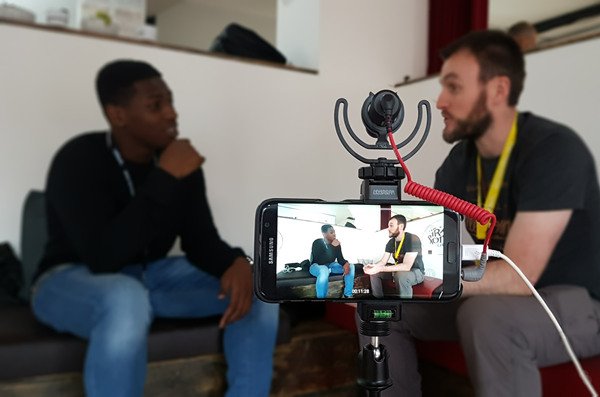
x: 494, y: 190
x: 117, y: 154
x: 399, y: 247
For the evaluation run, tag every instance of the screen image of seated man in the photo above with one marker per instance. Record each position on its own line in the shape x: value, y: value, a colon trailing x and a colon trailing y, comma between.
x: 327, y: 258
x: 407, y: 270
x: 116, y: 201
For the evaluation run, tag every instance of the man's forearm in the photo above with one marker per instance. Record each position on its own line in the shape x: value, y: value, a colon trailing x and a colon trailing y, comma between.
x: 499, y: 279
x: 393, y: 268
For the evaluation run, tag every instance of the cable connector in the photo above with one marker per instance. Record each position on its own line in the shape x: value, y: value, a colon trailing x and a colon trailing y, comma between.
x: 472, y: 252
x: 495, y: 254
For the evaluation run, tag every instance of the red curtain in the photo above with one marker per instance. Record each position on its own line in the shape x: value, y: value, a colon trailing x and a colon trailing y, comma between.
x: 449, y: 20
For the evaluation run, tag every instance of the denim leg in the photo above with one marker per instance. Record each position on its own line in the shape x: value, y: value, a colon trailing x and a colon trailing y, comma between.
x: 321, y: 272
x: 179, y: 289
x: 349, y: 281
x: 112, y: 311
x: 249, y: 345
x: 336, y: 268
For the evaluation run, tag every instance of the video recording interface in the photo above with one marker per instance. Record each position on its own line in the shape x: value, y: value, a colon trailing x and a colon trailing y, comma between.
x: 359, y: 251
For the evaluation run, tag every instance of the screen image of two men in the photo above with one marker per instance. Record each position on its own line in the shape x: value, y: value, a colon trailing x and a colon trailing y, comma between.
x: 344, y: 251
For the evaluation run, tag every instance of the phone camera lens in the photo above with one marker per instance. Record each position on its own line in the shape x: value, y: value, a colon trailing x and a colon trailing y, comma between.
x: 267, y: 224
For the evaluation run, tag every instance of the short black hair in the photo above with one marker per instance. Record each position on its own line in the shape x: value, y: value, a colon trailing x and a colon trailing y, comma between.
x: 325, y: 228
x: 401, y: 219
x: 497, y: 53
x: 114, y: 82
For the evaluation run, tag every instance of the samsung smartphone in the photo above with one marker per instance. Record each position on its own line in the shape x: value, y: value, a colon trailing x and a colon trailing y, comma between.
x: 311, y: 250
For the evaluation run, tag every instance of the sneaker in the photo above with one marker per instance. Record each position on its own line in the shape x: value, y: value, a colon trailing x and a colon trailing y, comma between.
x: 347, y: 297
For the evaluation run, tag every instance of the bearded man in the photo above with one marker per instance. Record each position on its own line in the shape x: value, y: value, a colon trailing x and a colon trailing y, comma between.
x: 539, y: 179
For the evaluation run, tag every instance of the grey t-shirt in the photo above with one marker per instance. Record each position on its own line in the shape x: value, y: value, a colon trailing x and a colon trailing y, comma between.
x: 550, y: 168
x: 412, y: 243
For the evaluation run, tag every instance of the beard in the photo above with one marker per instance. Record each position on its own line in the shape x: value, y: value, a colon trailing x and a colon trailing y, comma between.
x: 474, y: 126
x: 395, y: 234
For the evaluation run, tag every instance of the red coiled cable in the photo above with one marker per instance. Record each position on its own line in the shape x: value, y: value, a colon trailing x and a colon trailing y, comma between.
x: 471, y: 210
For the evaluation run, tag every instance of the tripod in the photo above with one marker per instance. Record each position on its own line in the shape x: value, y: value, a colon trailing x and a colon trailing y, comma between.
x: 382, y: 113
x: 374, y: 375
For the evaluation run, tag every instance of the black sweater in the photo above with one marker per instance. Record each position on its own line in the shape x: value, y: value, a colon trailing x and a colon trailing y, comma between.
x: 93, y: 220
x: 324, y: 254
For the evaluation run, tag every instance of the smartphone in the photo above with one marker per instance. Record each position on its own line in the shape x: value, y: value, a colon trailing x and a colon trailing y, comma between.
x: 311, y: 250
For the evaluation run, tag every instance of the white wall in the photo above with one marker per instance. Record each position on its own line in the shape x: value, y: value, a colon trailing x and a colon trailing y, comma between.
x: 298, y: 31
x: 277, y: 144
x: 375, y: 40
x: 563, y: 84
x: 196, y: 25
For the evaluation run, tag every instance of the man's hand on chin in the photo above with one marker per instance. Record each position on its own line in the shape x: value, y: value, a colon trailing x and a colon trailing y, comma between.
x: 237, y: 281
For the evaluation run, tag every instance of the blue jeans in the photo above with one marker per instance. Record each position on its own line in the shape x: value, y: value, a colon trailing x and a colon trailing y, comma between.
x: 321, y: 272
x: 114, y: 312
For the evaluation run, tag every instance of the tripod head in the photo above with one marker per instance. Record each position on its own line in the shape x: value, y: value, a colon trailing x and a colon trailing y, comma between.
x: 374, y: 374
x: 382, y: 178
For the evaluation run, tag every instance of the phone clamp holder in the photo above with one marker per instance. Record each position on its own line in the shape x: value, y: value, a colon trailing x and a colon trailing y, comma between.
x: 382, y: 178
x: 373, y: 369
x: 381, y: 182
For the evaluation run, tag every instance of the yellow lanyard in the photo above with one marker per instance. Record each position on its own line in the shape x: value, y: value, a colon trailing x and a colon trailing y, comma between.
x: 498, y: 179
x: 399, y: 247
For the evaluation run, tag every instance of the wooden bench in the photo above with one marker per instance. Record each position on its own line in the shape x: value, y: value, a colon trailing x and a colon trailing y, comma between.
x: 319, y: 360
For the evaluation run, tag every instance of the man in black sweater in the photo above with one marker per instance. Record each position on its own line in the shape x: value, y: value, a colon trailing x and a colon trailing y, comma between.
x: 116, y: 202
x: 327, y: 258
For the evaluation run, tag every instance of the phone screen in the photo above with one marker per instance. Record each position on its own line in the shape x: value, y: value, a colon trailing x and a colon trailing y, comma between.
x: 337, y: 251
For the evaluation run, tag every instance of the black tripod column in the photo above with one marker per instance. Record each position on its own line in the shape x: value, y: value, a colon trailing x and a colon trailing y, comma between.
x: 373, y: 369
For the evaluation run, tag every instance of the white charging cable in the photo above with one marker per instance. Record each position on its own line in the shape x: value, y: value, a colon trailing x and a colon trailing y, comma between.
x: 472, y: 252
